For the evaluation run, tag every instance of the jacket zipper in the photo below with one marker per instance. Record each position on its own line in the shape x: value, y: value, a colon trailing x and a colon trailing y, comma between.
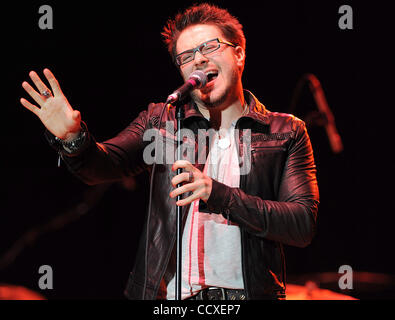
x: 59, y: 158
x: 170, y: 251
x: 242, y: 236
x: 268, y: 147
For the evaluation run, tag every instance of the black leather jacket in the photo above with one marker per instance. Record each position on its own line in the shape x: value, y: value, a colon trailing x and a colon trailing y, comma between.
x: 276, y: 204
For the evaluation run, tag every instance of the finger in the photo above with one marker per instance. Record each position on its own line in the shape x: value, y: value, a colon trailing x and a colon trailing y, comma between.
x: 185, y: 188
x: 188, y: 200
x: 184, y: 176
x: 53, y: 82
x: 37, y: 81
x: 29, y: 106
x: 33, y: 93
x: 184, y: 164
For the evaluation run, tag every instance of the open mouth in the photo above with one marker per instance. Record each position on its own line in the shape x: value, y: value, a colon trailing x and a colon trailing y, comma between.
x: 211, y: 76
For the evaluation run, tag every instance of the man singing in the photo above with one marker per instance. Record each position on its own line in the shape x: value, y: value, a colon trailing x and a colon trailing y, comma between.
x: 234, y: 223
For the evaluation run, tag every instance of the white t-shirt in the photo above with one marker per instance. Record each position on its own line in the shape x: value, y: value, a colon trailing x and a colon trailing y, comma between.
x: 211, y: 245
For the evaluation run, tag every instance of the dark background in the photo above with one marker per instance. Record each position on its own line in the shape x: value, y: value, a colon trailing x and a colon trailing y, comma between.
x: 106, y: 56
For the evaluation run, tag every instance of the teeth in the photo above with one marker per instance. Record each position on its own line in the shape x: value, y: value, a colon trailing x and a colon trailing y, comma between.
x: 211, y: 75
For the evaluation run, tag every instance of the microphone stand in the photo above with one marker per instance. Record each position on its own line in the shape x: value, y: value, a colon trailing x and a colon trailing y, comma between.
x: 197, y: 80
x: 180, y: 115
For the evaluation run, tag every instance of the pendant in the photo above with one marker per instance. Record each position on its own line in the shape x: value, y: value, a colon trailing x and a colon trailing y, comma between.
x: 224, y: 143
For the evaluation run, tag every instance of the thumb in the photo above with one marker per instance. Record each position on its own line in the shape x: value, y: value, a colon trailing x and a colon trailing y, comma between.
x: 76, y: 115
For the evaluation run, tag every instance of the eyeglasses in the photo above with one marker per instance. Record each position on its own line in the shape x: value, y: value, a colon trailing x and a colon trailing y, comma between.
x: 205, y: 48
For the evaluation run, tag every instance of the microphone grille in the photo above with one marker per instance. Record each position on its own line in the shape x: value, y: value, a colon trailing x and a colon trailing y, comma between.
x: 200, y: 77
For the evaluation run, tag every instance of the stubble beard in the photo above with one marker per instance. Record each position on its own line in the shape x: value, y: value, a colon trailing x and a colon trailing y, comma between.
x: 219, y: 102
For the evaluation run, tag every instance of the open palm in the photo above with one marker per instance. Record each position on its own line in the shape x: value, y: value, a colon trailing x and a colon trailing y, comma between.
x: 53, y: 109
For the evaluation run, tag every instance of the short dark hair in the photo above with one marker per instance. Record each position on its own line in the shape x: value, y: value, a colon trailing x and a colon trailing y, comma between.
x: 203, y: 14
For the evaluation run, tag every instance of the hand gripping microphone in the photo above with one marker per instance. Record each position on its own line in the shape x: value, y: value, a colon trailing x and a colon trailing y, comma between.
x: 197, y: 80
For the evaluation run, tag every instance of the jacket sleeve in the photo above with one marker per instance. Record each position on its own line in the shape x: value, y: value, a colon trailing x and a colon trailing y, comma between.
x: 110, y: 160
x: 290, y: 220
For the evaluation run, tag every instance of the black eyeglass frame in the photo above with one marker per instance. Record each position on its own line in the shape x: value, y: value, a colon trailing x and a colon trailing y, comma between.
x: 200, y: 47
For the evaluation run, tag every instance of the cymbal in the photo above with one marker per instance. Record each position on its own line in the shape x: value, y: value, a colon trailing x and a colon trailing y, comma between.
x: 366, y: 285
x: 310, y: 291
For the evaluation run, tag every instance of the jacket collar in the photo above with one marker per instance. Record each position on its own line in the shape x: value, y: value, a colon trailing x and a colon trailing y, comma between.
x: 256, y: 110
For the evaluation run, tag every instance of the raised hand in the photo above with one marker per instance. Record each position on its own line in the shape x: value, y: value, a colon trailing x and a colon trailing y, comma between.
x: 53, y: 109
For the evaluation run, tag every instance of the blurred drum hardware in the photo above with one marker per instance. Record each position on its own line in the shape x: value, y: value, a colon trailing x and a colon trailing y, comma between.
x: 324, y: 116
x: 91, y: 198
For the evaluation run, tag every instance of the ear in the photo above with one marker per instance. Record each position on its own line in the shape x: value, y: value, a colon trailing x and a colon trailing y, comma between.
x: 240, y: 56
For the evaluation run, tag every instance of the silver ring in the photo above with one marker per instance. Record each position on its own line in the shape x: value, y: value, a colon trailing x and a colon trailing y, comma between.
x: 190, y: 179
x: 46, y: 93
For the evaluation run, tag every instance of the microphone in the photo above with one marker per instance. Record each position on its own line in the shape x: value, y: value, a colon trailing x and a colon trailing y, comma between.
x: 197, y: 80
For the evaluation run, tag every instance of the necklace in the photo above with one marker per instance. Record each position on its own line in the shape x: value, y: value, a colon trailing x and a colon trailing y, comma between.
x: 223, y: 140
